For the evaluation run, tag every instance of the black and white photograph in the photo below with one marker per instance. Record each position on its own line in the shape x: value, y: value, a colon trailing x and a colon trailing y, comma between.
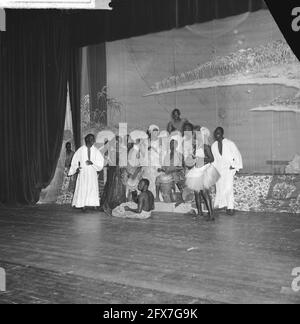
x: 150, y: 154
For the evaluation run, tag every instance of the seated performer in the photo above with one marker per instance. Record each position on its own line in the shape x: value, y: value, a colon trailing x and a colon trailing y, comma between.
x: 172, y: 176
x: 204, y: 175
x: 165, y: 187
x: 87, y: 162
x: 134, y: 170
x: 142, y: 207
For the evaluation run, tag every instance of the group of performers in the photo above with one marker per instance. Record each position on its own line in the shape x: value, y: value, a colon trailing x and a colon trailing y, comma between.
x: 189, y: 164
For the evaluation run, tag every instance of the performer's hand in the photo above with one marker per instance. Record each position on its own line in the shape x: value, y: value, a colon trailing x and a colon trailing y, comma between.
x: 88, y: 163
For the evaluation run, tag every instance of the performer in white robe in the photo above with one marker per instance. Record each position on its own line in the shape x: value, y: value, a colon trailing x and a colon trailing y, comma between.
x: 87, y: 162
x: 228, y: 161
x: 150, y: 171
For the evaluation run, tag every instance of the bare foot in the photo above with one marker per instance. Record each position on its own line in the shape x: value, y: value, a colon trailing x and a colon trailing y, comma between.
x: 230, y: 212
x: 209, y: 218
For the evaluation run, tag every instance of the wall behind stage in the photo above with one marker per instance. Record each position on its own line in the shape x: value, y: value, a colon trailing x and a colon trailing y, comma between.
x: 139, y: 66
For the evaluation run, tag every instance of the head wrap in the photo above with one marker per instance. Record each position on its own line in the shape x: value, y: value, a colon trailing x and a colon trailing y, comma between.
x: 153, y: 128
x: 138, y: 135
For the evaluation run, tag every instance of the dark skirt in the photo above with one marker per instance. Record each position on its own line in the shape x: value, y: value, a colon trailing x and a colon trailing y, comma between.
x: 114, y: 191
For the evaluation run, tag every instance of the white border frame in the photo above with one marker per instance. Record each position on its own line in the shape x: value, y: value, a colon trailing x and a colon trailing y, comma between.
x: 55, y: 4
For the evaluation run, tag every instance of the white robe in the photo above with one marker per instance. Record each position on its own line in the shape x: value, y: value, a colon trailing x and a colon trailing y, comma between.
x: 231, y: 157
x: 150, y: 172
x: 87, y: 187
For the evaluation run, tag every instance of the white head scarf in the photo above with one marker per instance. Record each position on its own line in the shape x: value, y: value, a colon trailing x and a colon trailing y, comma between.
x: 153, y: 128
x: 138, y: 135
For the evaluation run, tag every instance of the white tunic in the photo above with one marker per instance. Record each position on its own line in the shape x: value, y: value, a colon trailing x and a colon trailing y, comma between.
x: 87, y: 188
x: 150, y: 171
x: 231, y: 157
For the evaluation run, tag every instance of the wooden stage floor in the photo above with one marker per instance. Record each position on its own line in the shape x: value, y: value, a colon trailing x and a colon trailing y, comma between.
x: 54, y: 254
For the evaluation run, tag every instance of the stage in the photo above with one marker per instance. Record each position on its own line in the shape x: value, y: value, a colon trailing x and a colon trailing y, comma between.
x: 53, y: 254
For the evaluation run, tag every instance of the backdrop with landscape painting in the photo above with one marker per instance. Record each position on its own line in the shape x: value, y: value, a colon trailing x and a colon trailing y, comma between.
x: 238, y: 73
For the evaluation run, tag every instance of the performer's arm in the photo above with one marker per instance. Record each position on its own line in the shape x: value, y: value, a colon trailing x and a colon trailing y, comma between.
x: 209, y: 157
x: 141, y: 203
x: 237, y: 158
x: 170, y: 127
x: 136, y: 173
x: 74, y: 165
x: 99, y: 163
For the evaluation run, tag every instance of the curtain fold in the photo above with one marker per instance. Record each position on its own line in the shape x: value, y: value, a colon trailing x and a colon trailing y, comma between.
x: 96, y: 62
x: 34, y: 67
x: 75, y: 92
x: 131, y: 18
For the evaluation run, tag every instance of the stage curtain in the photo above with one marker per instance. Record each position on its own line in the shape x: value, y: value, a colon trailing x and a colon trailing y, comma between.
x: 34, y: 67
x: 96, y: 63
x: 75, y: 92
x: 139, y: 17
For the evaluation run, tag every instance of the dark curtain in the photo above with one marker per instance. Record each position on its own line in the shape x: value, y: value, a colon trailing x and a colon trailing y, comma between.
x: 39, y: 54
x: 139, y: 17
x: 75, y: 92
x: 34, y: 66
x: 96, y: 59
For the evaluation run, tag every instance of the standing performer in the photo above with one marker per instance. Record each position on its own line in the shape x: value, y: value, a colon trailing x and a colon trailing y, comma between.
x: 177, y: 123
x: 69, y: 157
x: 87, y: 162
x: 114, y: 191
x: 204, y: 175
x: 150, y: 171
x: 228, y: 161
